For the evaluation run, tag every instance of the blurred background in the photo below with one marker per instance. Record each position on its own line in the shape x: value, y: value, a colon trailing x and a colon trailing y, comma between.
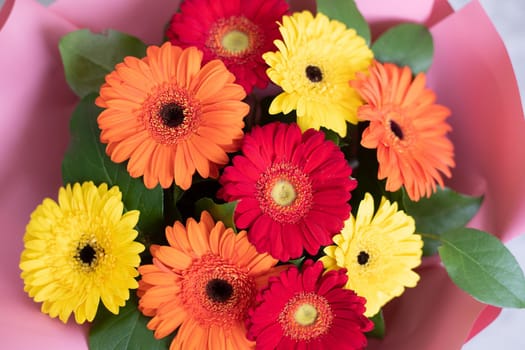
x: 507, y: 16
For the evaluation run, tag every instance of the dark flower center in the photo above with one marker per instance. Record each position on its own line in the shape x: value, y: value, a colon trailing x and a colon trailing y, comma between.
x: 87, y: 254
x: 172, y: 115
x: 362, y: 258
x: 314, y: 74
x: 396, y: 129
x: 219, y: 290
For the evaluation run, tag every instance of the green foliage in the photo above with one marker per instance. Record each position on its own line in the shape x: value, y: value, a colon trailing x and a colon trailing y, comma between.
x: 346, y: 11
x: 219, y: 212
x: 406, y: 45
x: 125, y: 331
x: 297, y: 262
x: 445, y: 210
x: 86, y: 160
x: 88, y: 57
x: 331, y: 135
x: 379, y: 326
x: 482, y: 266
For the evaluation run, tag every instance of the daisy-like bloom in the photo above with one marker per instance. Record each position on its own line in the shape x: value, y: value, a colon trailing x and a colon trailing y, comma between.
x: 378, y: 251
x: 236, y: 32
x: 293, y: 189
x: 203, y: 284
x: 169, y: 116
x: 308, y: 310
x: 316, y: 59
x: 408, y: 129
x: 79, y: 251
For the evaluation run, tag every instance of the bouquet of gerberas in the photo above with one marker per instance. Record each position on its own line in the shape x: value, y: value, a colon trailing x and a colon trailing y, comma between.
x: 248, y: 216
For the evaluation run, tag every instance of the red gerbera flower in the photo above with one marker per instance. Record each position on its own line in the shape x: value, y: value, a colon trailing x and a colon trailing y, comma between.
x: 234, y: 31
x: 292, y: 189
x: 308, y: 311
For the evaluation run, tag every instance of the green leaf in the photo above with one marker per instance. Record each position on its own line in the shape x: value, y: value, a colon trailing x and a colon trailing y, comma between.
x: 379, y: 326
x: 297, y: 262
x: 86, y: 160
x: 445, y: 210
x: 125, y: 331
x: 88, y: 57
x: 482, y: 266
x: 331, y: 135
x: 406, y: 44
x: 346, y: 11
x: 219, y: 212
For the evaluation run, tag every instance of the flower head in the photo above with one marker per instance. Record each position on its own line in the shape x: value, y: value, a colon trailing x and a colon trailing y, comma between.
x: 292, y: 189
x: 407, y: 128
x: 236, y: 32
x: 316, y: 59
x: 79, y: 251
x: 203, y: 283
x: 379, y: 252
x: 308, y: 310
x: 171, y: 117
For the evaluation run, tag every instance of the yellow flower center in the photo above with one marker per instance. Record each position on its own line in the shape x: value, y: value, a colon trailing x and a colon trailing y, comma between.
x: 235, y: 41
x: 283, y: 193
x: 306, y: 314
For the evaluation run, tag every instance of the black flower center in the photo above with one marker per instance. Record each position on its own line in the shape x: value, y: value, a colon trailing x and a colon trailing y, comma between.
x: 219, y: 290
x: 314, y: 74
x: 362, y: 258
x: 396, y: 129
x: 87, y: 254
x: 172, y: 115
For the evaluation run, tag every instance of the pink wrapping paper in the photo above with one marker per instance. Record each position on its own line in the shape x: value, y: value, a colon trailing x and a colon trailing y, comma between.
x: 471, y: 74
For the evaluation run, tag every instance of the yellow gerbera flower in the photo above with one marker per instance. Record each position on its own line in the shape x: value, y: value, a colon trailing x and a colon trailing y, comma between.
x: 79, y: 251
x: 316, y: 60
x: 379, y: 252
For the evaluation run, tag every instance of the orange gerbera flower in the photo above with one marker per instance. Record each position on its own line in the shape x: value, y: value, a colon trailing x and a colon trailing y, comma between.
x: 407, y: 128
x: 169, y: 116
x: 203, y: 283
